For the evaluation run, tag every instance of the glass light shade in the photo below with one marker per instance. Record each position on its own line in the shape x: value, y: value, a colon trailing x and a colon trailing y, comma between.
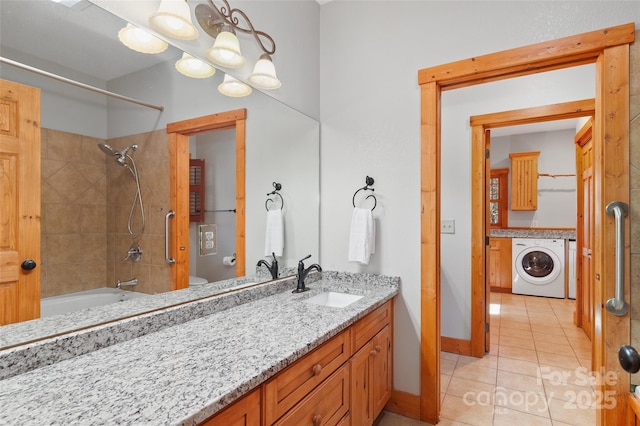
x: 264, y: 74
x: 173, y: 18
x: 226, y: 51
x: 141, y: 41
x: 234, y: 88
x: 194, y: 67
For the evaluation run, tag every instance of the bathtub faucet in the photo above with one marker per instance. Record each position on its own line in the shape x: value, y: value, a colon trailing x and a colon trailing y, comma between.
x: 132, y: 281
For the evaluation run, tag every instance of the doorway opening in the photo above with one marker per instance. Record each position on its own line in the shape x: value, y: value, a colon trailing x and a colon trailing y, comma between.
x: 179, y: 133
x: 609, y: 50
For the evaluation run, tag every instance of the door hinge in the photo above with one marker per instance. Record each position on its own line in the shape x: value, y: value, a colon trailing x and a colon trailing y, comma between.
x: 486, y: 240
x: 486, y: 327
x: 486, y: 154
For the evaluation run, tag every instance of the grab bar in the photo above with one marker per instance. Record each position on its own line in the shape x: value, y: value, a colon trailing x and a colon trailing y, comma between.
x: 170, y: 260
x: 616, y: 305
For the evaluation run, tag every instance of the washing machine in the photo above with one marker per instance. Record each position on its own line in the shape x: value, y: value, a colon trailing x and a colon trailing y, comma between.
x: 538, y: 267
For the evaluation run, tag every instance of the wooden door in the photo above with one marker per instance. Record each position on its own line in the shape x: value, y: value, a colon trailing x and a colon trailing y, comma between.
x: 585, y: 223
x: 20, y: 205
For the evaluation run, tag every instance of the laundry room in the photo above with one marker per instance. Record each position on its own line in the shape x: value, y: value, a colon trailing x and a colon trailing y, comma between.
x: 533, y: 198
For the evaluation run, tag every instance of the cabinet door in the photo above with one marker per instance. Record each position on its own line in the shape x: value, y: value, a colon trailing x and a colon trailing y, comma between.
x: 244, y: 412
x: 524, y: 180
x: 327, y: 405
x: 371, y: 379
x: 500, y: 263
x: 381, y: 360
x: 361, y: 409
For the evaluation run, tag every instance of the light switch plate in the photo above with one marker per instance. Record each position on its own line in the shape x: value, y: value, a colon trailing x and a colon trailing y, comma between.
x: 447, y: 226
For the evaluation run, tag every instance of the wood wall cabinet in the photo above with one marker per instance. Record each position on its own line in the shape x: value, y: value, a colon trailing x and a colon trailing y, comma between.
x: 524, y: 180
x: 500, y: 268
x: 330, y: 386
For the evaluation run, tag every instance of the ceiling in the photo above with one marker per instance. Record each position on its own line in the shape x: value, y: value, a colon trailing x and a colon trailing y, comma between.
x: 82, y: 37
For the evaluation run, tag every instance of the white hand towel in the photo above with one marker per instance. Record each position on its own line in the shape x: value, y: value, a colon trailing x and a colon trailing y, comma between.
x: 274, y: 240
x: 362, y: 238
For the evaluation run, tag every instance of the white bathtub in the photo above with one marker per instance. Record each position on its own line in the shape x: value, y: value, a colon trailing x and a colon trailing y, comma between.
x: 84, y: 299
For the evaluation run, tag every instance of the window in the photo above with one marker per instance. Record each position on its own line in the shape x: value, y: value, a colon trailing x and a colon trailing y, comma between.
x: 498, y: 194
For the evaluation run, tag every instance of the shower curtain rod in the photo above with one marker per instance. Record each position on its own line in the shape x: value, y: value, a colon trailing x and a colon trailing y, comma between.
x: 78, y: 84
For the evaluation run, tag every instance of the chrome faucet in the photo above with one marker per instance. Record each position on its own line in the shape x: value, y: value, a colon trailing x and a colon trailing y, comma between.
x: 134, y: 253
x: 273, y: 268
x: 302, y: 274
x: 132, y: 281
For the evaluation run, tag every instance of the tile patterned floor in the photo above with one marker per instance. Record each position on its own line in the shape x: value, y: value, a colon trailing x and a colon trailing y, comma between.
x: 535, y: 374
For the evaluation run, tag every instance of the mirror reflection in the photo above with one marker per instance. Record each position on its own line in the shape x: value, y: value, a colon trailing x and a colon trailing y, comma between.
x: 104, y: 161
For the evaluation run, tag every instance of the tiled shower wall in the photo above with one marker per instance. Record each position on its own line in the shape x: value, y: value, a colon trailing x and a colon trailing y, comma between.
x: 86, y: 200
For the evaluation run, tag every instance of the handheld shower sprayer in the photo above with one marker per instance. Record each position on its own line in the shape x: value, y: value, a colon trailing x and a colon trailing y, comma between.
x: 124, y: 159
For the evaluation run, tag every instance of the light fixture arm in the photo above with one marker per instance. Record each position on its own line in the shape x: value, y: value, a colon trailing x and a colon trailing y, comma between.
x: 212, y: 20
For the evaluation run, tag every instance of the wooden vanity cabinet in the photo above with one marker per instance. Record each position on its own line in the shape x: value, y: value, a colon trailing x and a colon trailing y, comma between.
x: 329, y: 386
x: 500, y: 268
x: 371, y: 372
x: 371, y: 379
x: 294, y: 383
x: 327, y: 404
x: 243, y: 412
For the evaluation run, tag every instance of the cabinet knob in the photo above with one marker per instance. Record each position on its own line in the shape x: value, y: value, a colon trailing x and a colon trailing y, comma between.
x: 373, y: 352
x: 378, y: 348
x: 317, y: 369
x: 317, y: 419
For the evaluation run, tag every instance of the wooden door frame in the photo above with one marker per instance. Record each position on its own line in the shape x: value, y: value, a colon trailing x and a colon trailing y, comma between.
x: 480, y: 124
x: 179, y: 133
x: 609, y: 50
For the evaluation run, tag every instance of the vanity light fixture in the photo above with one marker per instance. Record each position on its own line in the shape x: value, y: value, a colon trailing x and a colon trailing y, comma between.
x: 140, y: 40
x: 173, y: 19
x: 233, y: 87
x: 194, y: 67
x: 264, y: 74
x: 222, y: 23
x: 226, y: 50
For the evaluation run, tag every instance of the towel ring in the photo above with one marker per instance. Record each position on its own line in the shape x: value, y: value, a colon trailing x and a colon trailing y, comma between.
x: 277, y: 187
x: 368, y: 182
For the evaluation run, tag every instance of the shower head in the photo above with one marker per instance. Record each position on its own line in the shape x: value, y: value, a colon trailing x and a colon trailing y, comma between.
x: 107, y: 149
x: 121, y: 156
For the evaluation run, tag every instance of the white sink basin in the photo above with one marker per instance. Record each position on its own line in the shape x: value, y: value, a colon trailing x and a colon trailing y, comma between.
x: 334, y: 299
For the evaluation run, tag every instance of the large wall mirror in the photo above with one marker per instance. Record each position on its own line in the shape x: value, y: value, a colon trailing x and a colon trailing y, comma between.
x: 86, y: 215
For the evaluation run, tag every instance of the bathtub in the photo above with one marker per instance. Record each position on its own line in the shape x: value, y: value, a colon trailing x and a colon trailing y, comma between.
x: 84, y: 299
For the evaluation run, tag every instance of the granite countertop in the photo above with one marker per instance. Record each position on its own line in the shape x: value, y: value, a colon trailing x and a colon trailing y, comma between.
x: 183, y: 374
x: 562, y: 234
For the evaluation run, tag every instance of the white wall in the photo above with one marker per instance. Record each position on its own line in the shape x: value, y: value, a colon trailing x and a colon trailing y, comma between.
x: 370, y: 115
x: 62, y: 107
x: 556, y: 196
x: 218, y: 150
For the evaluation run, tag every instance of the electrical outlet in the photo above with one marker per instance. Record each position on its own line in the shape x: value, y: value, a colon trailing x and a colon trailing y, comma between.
x: 447, y: 226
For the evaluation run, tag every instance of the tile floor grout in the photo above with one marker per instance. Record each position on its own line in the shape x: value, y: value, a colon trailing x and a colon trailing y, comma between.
x: 536, y: 373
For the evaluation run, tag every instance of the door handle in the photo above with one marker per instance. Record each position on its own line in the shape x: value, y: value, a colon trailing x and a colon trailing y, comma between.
x: 28, y: 264
x: 170, y: 260
x: 616, y: 305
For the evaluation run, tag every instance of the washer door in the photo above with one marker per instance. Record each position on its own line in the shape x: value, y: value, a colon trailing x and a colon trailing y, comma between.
x: 538, y: 265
